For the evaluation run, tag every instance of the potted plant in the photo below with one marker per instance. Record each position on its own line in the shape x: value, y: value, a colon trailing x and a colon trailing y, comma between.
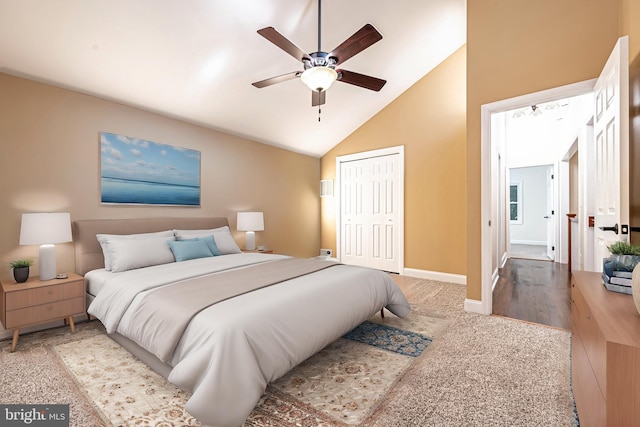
x: 617, y: 269
x: 21, y: 269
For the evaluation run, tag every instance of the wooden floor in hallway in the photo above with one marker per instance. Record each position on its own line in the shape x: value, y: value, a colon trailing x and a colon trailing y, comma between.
x: 534, y: 291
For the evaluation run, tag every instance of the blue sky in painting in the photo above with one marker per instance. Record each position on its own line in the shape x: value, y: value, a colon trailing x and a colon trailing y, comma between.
x: 134, y: 159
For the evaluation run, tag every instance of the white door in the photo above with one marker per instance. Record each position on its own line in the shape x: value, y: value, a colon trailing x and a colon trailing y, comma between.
x: 550, y: 216
x: 370, y: 209
x: 611, y: 135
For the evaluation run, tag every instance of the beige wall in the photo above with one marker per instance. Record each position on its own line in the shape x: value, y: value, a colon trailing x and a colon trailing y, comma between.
x: 50, y: 162
x: 519, y: 47
x: 630, y: 25
x: 429, y: 120
x: 574, y: 179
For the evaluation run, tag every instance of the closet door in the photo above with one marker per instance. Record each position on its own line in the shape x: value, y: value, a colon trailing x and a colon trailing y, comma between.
x: 370, y: 214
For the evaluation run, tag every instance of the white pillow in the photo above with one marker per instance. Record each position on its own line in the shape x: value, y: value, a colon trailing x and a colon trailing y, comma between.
x: 222, y: 236
x: 128, y: 254
x: 103, y: 238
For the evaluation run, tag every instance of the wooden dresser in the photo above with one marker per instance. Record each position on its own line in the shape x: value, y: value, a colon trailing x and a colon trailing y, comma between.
x: 605, y: 354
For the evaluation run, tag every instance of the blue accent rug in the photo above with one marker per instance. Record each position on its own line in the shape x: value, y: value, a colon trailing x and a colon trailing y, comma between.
x: 389, y: 338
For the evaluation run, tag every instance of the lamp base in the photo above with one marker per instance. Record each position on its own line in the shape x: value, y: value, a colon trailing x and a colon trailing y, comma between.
x: 47, y: 262
x: 250, y: 240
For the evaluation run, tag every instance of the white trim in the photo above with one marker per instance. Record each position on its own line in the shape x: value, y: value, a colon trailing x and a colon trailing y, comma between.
x: 367, y: 155
x: 474, y: 306
x: 504, y: 258
x: 496, y: 277
x: 459, y: 279
x: 485, y: 306
x: 529, y: 242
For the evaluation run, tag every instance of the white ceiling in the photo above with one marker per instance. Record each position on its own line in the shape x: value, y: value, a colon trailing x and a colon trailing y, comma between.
x: 195, y: 60
x: 546, y: 137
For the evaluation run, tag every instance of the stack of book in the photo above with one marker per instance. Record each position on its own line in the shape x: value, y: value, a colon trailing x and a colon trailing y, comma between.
x: 617, y: 281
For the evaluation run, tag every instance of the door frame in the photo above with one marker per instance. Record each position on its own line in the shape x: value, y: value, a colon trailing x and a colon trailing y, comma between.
x: 399, y: 150
x: 552, y: 217
x: 485, y: 305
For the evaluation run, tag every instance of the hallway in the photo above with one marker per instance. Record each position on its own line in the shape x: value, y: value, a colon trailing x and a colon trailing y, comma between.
x: 534, y: 291
x: 530, y: 252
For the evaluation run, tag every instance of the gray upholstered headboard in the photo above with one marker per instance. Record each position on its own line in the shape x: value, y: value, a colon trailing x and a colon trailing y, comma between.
x: 89, y: 253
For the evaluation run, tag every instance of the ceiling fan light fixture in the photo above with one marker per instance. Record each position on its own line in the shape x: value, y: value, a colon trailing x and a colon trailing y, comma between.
x: 319, y: 78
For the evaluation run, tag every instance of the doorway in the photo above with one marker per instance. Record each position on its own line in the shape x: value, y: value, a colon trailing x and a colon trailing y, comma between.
x: 532, y: 213
x: 617, y: 68
x: 532, y: 284
x: 493, y: 144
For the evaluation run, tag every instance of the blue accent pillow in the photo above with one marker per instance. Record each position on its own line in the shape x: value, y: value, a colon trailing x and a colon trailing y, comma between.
x: 184, y: 250
x: 210, y: 241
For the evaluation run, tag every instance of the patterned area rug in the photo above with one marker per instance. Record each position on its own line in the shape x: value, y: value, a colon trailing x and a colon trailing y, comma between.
x: 125, y: 390
x: 389, y: 338
x: 341, y: 384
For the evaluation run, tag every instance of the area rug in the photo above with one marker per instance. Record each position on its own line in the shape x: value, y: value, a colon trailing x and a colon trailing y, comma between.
x: 389, y: 338
x: 343, y: 383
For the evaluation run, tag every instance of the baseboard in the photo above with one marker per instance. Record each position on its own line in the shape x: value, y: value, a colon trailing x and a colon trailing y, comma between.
x: 529, y: 242
x: 436, y: 275
x: 475, y: 306
x: 505, y: 257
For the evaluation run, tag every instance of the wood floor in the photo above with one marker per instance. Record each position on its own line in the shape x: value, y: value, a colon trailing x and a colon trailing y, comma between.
x: 535, y: 291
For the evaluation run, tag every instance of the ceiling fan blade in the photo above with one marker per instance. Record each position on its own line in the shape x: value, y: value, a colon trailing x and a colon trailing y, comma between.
x: 361, y: 80
x: 362, y: 39
x: 277, y: 79
x: 317, y: 98
x: 283, y: 43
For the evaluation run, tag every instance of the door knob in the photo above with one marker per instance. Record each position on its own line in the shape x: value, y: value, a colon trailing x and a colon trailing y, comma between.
x: 614, y: 228
x: 547, y: 217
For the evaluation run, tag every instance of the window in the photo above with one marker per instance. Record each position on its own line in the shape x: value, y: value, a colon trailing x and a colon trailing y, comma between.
x: 515, y: 203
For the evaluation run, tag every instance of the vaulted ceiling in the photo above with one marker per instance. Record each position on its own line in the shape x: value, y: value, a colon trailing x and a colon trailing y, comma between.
x: 195, y: 60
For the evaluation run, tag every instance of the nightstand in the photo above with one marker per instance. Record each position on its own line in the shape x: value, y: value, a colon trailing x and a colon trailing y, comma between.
x: 255, y: 251
x: 35, y: 301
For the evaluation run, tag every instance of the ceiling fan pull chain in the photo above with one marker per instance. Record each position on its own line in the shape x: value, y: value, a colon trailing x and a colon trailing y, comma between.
x: 319, y: 24
x: 319, y: 112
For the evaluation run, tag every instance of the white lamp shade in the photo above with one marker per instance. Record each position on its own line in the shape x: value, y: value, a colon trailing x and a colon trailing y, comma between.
x: 44, y: 228
x: 250, y: 221
x: 319, y: 78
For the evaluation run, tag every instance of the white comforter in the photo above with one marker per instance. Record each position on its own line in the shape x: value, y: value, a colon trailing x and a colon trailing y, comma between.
x: 233, y: 349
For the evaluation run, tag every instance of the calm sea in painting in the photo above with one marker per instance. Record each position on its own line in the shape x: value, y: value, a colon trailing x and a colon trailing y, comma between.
x: 137, y: 171
x: 151, y: 193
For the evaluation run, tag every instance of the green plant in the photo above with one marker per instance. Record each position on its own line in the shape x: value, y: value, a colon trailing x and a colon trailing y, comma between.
x: 624, y: 248
x: 19, y: 263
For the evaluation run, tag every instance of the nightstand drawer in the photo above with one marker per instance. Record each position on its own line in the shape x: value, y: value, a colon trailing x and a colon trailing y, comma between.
x: 45, y: 312
x: 43, y: 295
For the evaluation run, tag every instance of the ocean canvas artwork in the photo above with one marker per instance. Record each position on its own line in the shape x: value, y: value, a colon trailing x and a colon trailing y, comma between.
x: 136, y: 171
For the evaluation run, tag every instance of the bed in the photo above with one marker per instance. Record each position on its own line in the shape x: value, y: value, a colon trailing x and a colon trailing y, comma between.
x: 220, y: 327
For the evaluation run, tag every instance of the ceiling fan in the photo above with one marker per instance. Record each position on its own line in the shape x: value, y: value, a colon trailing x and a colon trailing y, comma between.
x: 320, y: 67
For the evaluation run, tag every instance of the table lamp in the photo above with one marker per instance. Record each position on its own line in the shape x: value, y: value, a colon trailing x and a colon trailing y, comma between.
x: 250, y: 222
x: 46, y: 229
